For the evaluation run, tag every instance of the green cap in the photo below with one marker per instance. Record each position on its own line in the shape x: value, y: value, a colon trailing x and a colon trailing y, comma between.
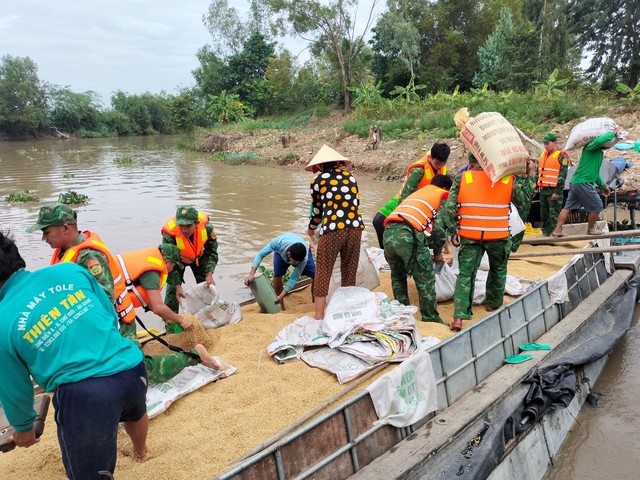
x: 51, y: 215
x: 471, y: 158
x: 172, y: 253
x: 186, y: 215
x: 549, y: 137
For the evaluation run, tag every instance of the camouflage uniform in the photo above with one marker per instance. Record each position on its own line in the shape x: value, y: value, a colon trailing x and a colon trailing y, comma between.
x: 160, y: 368
x: 471, y: 252
x: 549, y: 208
x: 526, y: 185
x: 398, y: 249
x: 206, y: 263
x: 94, y: 261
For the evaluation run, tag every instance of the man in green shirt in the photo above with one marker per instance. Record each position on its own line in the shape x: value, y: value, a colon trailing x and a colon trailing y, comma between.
x: 582, y: 186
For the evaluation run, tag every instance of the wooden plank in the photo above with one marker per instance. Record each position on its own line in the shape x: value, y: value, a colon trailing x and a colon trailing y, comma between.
x: 540, y: 240
x: 574, y: 251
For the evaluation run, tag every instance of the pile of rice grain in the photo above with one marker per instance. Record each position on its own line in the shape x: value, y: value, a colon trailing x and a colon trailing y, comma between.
x: 201, y: 434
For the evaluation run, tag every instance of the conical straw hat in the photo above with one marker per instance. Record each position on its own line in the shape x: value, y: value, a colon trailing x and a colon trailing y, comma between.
x: 325, y: 154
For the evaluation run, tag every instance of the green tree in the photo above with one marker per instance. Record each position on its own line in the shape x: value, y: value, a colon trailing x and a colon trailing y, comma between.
x: 208, y: 75
x: 505, y: 59
x: 248, y: 65
x: 229, y: 31
x: 330, y: 28
x: 70, y: 111
x: 22, y: 97
x: 556, y: 42
x: 609, y: 30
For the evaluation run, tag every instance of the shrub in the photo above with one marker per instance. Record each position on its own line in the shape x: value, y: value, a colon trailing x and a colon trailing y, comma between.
x: 24, y: 196
x: 71, y: 197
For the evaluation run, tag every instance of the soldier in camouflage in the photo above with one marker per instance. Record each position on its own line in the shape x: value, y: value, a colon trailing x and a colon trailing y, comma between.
x: 185, y: 229
x: 526, y: 186
x: 59, y: 229
x: 551, y: 182
x: 406, y: 249
x: 471, y: 253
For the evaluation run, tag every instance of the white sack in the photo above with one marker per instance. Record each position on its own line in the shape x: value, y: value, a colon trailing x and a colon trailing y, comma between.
x: 367, y: 276
x: 213, y: 312
x: 586, y: 131
x: 445, y: 283
x: 407, y: 394
x: 495, y: 144
x: 378, y: 259
x: 160, y: 396
x: 516, y: 225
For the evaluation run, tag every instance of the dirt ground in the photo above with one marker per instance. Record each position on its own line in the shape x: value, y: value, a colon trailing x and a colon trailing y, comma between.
x: 201, y: 434
x: 392, y: 158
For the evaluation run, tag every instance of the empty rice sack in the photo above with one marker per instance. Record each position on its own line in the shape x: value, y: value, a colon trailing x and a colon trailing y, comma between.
x: 496, y: 144
x: 588, y: 130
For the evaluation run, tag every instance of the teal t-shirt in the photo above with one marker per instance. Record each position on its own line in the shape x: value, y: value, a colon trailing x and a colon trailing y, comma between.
x: 59, y: 326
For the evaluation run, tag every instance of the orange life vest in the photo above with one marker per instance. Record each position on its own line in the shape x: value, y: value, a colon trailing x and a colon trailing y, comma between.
x: 190, y: 251
x: 549, y: 168
x: 429, y: 172
x: 134, y: 264
x: 420, y: 208
x: 483, y: 208
x: 122, y: 303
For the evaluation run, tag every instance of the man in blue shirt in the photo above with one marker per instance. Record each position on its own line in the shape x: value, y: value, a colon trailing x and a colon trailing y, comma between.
x: 289, y: 249
x: 59, y: 327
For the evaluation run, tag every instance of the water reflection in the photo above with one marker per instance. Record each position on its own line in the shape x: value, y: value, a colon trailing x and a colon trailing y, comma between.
x: 128, y: 205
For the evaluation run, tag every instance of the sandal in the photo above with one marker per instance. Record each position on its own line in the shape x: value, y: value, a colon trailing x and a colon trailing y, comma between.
x: 518, y: 358
x: 534, y: 346
x: 456, y: 325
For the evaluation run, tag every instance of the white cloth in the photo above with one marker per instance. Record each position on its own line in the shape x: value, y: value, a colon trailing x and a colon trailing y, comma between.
x: 407, y: 393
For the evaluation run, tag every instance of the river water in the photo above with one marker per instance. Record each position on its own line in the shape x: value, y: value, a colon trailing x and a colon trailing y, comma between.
x: 249, y: 205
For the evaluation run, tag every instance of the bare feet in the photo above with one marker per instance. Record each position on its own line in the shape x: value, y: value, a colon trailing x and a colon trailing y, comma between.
x: 456, y: 325
x: 558, y: 234
x: 595, y: 231
x: 489, y: 309
x: 139, y: 457
x: 207, y: 358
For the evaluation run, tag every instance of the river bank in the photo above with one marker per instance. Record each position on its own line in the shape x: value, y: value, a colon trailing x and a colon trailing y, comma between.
x: 392, y: 157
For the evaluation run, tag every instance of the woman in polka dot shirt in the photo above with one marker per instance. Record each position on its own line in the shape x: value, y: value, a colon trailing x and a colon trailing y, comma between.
x: 335, y: 212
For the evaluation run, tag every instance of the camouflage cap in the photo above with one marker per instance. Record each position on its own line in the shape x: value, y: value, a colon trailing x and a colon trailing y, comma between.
x: 52, y: 215
x: 186, y: 215
x: 172, y: 253
x: 549, y: 137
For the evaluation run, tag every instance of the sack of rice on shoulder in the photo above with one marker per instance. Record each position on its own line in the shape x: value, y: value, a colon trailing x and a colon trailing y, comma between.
x: 496, y: 145
x: 588, y: 130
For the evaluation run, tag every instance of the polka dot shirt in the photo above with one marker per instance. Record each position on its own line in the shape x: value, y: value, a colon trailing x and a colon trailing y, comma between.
x: 335, y: 200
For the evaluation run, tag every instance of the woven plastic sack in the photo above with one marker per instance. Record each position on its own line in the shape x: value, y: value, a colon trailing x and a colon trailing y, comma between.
x: 496, y: 144
x: 588, y: 130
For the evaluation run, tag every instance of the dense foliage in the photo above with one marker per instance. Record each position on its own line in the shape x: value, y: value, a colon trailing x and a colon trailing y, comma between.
x: 392, y: 67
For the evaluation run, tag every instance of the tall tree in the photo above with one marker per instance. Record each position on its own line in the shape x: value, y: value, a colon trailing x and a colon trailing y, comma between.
x: 329, y: 27
x: 396, y: 41
x: 505, y: 58
x: 228, y: 31
x: 70, y: 111
x: 609, y: 30
x: 22, y: 97
x: 556, y: 42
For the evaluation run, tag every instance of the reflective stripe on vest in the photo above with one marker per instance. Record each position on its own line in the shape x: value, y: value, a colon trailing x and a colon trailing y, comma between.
x: 121, y: 302
x: 134, y: 264
x: 484, y: 220
x: 190, y: 252
x: 549, y: 168
x: 420, y: 208
x: 429, y: 172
